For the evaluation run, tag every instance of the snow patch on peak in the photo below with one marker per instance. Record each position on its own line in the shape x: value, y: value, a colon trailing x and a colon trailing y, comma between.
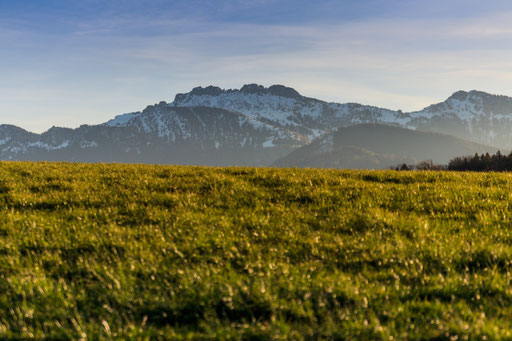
x: 121, y: 120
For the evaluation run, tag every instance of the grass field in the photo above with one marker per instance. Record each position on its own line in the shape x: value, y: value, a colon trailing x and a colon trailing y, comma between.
x: 158, y: 252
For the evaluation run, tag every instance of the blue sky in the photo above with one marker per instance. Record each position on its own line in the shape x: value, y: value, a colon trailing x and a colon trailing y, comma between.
x: 66, y: 62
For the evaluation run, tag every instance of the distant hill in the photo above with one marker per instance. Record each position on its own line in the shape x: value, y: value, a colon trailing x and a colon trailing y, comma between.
x: 374, y: 146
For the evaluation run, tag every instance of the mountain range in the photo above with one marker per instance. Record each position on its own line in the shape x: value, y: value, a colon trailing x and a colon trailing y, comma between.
x: 259, y: 126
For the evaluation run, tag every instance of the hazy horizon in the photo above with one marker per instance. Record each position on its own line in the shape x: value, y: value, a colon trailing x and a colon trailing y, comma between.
x: 69, y: 63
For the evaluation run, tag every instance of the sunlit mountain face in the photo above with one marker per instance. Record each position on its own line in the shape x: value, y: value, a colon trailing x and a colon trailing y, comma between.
x: 260, y: 126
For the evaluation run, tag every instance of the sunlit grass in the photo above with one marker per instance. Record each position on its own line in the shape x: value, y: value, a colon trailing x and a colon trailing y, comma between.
x: 133, y: 251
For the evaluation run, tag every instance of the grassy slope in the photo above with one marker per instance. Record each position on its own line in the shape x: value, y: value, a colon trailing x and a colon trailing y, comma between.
x: 118, y: 250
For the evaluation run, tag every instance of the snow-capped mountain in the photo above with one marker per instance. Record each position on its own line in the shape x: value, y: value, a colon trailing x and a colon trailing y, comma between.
x: 253, y: 125
x: 207, y: 126
x: 473, y: 115
x: 159, y: 134
x: 284, y: 107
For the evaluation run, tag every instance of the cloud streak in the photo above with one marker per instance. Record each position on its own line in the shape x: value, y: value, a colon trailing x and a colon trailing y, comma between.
x: 107, y: 64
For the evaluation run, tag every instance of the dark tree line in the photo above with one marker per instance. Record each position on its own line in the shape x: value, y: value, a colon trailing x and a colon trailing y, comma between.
x: 476, y: 163
x: 482, y: 163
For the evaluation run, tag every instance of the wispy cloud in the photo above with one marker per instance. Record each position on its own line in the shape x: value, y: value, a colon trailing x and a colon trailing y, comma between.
x: 90, y: 67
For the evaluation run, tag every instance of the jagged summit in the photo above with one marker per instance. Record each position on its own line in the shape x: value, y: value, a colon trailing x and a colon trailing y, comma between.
x: 475, y: 102
x: 463, y: 94
x: 276, y: 90
x: 253, y: 89
x: 460, y: 95
x: 209, y: 90
x: 477, y: 95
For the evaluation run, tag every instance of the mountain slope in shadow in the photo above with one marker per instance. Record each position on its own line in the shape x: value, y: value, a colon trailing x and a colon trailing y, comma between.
x: 374, y: 146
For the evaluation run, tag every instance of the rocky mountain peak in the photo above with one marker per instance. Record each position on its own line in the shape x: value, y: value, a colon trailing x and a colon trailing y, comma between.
x: 199, y: 91
x: 283, y: 91
x: 276, y: 90
x: 476, y: 94
x: 253, y: 89
x: 150, y: 108
x: 459, y: 95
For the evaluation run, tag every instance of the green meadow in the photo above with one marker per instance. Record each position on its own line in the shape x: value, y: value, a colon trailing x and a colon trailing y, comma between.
x: 100, y: 251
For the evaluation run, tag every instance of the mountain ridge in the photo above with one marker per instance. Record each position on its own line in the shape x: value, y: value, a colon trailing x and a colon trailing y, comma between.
x: 266, y: 122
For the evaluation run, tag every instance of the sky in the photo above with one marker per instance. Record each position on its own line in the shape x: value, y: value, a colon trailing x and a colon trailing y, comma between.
x: 73, y: 62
